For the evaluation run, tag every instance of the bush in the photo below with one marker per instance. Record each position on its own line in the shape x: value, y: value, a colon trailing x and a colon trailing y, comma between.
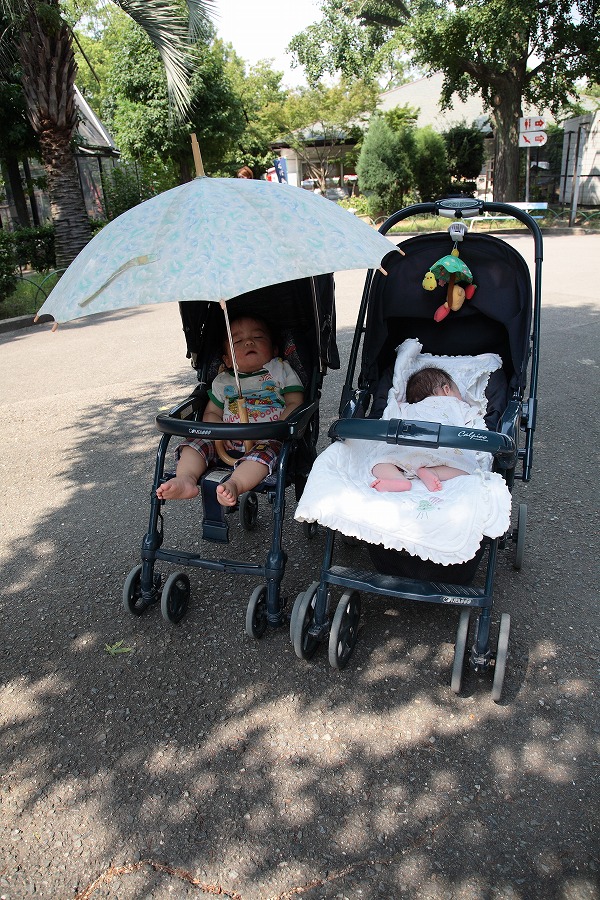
x: 34, y: 247
x: 8, y: 265
x: 359, y: 204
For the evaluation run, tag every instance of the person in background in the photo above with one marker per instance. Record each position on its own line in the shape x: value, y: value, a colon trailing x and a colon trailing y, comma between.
x: 245, y: 172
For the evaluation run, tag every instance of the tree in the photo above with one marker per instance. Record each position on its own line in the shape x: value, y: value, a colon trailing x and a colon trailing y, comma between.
x: 385, y: 165
x: 465, y: 151
x: 512, y: 54
x: 323, y: 120
x: 430, y: 165
x: 44, y: 43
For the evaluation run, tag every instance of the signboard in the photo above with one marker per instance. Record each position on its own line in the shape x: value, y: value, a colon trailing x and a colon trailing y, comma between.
x: 532, y: 123
x: 532, y: 138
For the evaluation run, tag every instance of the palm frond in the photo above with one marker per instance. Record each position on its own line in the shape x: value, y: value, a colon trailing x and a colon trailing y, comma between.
x: 169, y: 32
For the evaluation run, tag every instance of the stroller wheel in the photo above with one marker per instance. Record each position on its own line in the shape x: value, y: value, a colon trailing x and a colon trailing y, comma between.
x: 175, y: 597
x: 501, y: 657
x: 132, y: 600
x: 310, y: 530
x: 520, y: 536
x: 344, y: 629
x: 301, y: 620
x: 249, y: 511
x: 256, y: 613
x: 460, y: 649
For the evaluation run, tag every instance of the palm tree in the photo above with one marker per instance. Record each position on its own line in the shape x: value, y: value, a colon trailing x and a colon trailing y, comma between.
x: 43, y: 41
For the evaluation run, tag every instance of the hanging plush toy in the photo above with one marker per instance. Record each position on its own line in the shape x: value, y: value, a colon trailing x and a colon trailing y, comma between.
x: 450, y: 270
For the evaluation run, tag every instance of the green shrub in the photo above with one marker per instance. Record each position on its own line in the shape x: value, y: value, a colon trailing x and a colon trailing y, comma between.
x: 359, y: 204
x: 34, y: 247
x: 8, y: 265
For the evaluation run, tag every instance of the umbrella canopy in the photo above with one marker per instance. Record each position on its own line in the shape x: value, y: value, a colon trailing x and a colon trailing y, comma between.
x: 451, y: 265
x: 212, y: 239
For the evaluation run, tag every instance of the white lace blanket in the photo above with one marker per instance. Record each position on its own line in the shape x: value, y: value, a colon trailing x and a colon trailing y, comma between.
x: 444, y: 526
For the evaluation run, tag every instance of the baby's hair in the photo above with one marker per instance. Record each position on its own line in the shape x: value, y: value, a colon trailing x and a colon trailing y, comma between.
x: 425, y: 382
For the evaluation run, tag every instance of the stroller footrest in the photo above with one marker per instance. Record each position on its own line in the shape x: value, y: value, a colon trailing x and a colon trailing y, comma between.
x: 214, y: 525
x: 407, y: 588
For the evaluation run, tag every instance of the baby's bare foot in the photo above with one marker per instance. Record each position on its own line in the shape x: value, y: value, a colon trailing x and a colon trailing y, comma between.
x: 177, y: 488
x: 391, y: 484
x: 227, y: 493
x: 429, y: 479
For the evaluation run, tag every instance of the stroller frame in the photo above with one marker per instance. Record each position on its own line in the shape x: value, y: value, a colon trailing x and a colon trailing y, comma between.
x: 310, y: 623
x: 142, y: 587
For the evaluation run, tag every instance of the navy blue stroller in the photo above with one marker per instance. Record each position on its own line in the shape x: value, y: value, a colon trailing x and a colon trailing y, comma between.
x: 502, y: 318
x: 302, y: 318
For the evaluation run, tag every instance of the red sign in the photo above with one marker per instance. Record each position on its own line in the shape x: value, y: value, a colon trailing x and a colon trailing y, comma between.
x: 532, y: 138
x: 532, y: 123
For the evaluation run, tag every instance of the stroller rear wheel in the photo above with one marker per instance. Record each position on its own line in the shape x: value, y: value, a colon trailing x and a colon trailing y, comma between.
x: 175, y: 597
x: 256, y: 613
x: 344, y: 629
x: 501, y: 657
x: 460, y: 649
x: 301, y: 620
x: 249, y: 511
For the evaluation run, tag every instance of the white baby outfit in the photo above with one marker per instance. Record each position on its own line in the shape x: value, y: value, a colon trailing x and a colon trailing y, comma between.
x: 446, y: 411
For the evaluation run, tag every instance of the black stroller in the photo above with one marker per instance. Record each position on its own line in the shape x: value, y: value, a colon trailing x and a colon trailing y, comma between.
x: 302, y: 317
x: 501, y: 318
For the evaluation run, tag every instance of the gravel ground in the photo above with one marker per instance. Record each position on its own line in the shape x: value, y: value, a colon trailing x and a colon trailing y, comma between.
x: 142, y: 760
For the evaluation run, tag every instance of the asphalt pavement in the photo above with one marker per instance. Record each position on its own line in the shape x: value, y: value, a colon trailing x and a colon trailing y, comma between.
x: 143, y: 760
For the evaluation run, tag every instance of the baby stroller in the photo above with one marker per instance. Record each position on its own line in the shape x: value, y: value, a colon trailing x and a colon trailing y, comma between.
x: 500, y: 322
x: 301, y: 314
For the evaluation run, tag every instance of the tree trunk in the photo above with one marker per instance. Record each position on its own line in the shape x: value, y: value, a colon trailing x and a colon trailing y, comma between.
x: 49, y: 70
x: 506, y: 109
x: 13, y: 173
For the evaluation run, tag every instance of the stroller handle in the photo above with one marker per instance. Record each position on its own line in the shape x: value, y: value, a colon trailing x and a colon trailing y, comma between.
x: 422, y: 434
x: 285, y: 429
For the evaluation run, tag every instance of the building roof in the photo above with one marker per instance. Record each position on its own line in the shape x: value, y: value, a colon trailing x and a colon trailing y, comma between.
x: 93, y: 136
x: 424, y: 94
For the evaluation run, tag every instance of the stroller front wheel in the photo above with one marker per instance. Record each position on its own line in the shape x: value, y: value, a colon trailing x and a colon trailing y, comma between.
x: 301, y: 620
x: 460, y: 649
x: 175, y: 597
x: 344, y: 629
x: 501, y: 657
x: 256, y: 613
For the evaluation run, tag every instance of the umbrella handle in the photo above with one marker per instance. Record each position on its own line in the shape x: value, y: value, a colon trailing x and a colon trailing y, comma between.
x: 224, y: 456
x: 248, y: 445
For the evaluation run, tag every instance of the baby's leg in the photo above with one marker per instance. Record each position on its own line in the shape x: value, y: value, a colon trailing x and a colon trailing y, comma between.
x: 433, y: 476
x: 389, y: 477
x: 245, y: 476
x: 184, y: 486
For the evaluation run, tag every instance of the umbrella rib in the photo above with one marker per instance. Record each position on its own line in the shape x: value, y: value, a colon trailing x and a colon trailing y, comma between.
x: 136, y: 261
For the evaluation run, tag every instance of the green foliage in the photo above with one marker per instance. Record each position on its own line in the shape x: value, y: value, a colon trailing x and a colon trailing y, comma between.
x: 8, y: 265
x: 385, y: 167
x: 128, y: 184
x: 430, y: 165
x: 34, y: 247
x: 465, y: 151
x: 359, y: 204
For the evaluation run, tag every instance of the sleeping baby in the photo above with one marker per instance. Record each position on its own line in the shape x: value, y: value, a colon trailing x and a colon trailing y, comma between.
x: 431, y: 396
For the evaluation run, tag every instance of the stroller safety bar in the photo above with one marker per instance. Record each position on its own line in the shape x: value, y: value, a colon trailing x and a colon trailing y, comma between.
x: 404, y: 431
x: 291, y: 427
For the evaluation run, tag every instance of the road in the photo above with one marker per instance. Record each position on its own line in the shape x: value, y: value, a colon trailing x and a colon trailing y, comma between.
x: 198, y: 760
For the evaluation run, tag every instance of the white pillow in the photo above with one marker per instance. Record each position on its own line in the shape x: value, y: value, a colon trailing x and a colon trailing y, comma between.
x: 470, y: 373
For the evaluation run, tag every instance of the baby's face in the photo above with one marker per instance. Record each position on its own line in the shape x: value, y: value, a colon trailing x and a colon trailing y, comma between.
x: 252, y: 344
